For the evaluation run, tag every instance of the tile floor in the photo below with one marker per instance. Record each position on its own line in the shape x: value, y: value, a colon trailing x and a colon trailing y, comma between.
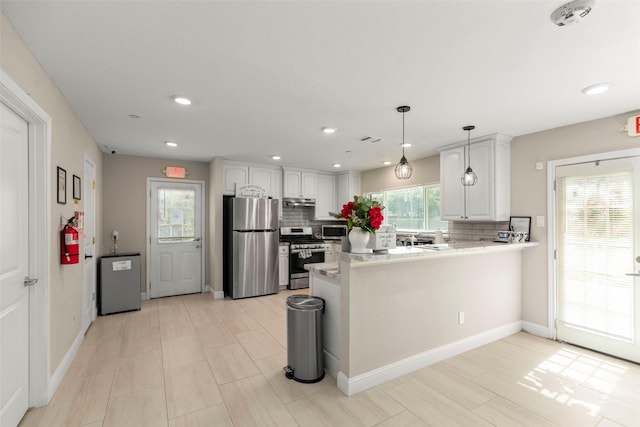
x: 193, y: 361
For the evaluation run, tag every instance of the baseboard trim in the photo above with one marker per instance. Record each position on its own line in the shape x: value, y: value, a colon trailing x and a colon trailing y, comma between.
x: 143, y: 296
x: 358, y: 383
x: 63, y: 367
x: 538, y: 330
x: 218, y: 294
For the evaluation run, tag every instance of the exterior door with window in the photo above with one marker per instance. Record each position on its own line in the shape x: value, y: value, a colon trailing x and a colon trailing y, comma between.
x: 597, y: 256
x: 175, y: 259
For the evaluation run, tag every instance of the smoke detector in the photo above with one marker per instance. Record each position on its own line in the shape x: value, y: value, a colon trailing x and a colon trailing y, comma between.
x: 572, y: 12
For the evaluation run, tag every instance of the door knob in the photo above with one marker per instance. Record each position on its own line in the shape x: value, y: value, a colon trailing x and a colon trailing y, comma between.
x: 29, y: 281
x: 638, y: 259
x: 197, y: 239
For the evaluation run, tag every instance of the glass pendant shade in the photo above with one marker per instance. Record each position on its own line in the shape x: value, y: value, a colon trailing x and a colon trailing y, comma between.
x: 403, y: 169
x: 469, y: 177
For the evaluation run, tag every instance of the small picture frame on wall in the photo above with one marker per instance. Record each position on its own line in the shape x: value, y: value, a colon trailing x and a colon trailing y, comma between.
x: 62, y: 186
x: 76, y: 187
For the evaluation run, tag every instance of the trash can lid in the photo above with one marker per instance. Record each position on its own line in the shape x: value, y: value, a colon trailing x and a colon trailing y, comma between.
x: 305, y: 302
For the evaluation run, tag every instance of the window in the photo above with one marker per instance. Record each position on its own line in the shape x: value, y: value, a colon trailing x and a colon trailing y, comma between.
x: 175, y: 215
x: 412, y: 208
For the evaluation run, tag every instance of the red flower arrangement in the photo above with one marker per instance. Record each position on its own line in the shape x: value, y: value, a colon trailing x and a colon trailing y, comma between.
x: 362, y: 212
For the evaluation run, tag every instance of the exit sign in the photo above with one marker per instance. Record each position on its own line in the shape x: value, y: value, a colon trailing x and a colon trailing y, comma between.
x: 175, y: 172
x: 633, y: 126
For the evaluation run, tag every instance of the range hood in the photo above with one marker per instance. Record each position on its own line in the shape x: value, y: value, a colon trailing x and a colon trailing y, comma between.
x: 293, y: 202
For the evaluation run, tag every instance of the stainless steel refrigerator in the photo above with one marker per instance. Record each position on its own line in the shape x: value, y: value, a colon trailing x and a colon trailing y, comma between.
x: 250, y: 240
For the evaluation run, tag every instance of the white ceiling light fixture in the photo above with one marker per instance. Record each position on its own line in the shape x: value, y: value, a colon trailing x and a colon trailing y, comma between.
x: 171, y: 144
x: 572, y: 12
x: 386, y: 163
x: 336, y: 165
x: 181, y: 100
x: 469, y: 177
x: 403, y: 168
x: 329, y: 130
x: 406, y: 144
x: 597, y: 88
x: 275, y: 157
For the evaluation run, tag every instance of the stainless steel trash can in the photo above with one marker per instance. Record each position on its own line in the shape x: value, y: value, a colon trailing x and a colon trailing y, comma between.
x: 305, y: 362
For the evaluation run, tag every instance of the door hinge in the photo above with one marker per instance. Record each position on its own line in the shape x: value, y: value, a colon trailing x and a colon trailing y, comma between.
x: 554, y: 254
x: 93, y: 184
x: 554, y: 185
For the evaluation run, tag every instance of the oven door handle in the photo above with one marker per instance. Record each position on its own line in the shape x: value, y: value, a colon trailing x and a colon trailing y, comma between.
x: 313, y: 251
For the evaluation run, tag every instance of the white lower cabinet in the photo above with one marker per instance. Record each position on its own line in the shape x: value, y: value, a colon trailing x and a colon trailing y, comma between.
x: 283, y: 265
x: 489, y: 199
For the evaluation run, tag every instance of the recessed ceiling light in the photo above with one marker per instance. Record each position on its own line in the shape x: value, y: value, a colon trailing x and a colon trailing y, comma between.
x: 597, y: 88
x: 171, y: 144
x: 386, y: 163
x: 275, y: 157
x: 328, y: 130
x: 336, y: 165
x: 406, y: 145
x: 181, y: 100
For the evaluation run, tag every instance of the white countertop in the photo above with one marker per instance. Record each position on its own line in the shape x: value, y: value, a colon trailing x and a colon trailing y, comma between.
x: 413, y: 253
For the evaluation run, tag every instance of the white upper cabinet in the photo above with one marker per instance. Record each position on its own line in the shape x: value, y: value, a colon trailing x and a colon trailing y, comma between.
x: 488, y: 200
x: 349, y: 185
x: 326, y: 199
x: 268, y: 178
x: 299, y: 183
x: 234, y: 174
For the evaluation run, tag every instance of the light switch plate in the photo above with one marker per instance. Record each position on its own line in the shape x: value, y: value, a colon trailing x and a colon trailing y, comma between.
x: 540, y: 221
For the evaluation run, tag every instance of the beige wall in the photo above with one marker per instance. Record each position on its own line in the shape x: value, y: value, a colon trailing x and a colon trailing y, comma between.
x: 529, y: 191
x: 125, y: 201
x: 70, y: 142
x: 393, y: 311
x: 216, y: 188
x: 425, y: 171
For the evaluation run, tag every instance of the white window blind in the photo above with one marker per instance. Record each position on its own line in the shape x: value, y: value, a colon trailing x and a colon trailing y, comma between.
x: 595, y: 249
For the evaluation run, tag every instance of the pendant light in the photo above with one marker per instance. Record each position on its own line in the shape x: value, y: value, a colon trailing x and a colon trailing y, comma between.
x: 403, y: 169
x: 469, y: 177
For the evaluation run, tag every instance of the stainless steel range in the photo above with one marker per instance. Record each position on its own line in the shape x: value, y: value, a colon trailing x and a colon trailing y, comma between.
x: 303, y: 249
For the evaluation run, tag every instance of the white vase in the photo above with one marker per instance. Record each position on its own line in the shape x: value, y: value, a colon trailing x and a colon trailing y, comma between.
x: 358, y: 239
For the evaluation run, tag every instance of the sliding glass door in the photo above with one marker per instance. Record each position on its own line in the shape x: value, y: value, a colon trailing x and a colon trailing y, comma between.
x: 597, y: 245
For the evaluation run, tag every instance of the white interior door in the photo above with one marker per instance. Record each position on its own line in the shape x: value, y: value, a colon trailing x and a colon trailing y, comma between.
x: 175, y: 238
x: 597, y: 244
x: 89, y: 307
x: 14, y: 267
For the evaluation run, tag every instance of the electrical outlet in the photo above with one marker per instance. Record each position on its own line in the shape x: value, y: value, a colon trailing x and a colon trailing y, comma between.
x: 461, y: 318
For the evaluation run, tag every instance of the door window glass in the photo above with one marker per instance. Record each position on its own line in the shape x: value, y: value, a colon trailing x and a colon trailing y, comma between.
x: 175, y: 215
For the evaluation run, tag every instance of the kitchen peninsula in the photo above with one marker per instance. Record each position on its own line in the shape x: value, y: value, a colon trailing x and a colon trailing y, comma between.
x: 388, y: 314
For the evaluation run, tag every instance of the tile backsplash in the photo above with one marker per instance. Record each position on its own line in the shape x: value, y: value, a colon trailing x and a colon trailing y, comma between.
x: 458, y: 230
x: 463, y: 230
x: 302, y: 216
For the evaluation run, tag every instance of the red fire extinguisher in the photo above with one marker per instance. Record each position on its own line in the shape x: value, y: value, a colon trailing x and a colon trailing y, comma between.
x: 69, y: 245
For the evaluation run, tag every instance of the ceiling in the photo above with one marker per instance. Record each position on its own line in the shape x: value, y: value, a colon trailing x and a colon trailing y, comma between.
x: 266, y: 76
